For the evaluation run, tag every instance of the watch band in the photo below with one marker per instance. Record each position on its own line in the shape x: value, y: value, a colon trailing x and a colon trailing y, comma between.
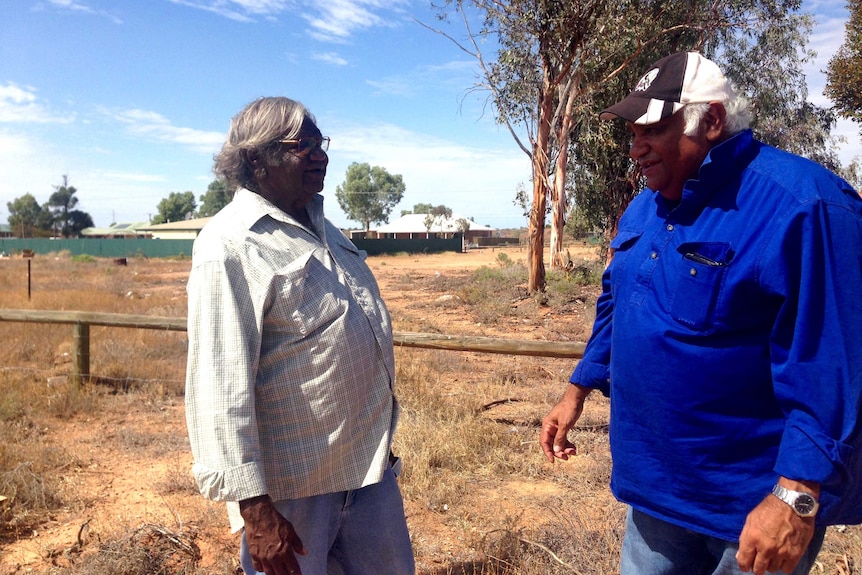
x: 803, y: 504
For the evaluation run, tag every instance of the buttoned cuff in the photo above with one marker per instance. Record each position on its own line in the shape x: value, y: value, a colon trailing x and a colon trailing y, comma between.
x: 594, y: 375
x: 807, y: 453
x: 234, y: 484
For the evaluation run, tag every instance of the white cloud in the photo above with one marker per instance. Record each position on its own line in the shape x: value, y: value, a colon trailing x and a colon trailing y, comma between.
x: 331, y: 21
x: 20, y: 105
x: 219, y: 7
x: 153, y: 126
x: 74, y: 6
x: 338, y: 19
x: 330, y: 58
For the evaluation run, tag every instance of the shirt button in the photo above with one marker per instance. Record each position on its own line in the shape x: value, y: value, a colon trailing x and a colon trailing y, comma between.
x: 653, y: 255
x: 670, y: 227
x: 693, y: 272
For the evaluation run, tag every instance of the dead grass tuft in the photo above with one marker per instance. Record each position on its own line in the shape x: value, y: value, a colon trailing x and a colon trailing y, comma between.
x: 148, y: 550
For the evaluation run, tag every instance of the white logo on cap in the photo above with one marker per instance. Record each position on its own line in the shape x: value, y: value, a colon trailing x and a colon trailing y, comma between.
x: 645, y: 82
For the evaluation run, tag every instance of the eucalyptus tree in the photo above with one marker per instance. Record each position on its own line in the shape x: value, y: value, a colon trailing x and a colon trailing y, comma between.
x: 844, y: 72
x: 368, y: 194
x: 761, y: 46
x: 177, y: 207
x: 436, y: 215
x: 551, y: 65
x: 766, y: 64
x: 534, y: 86
x: 28, y: 218
x: 420, y: 208
x: 217, y: 196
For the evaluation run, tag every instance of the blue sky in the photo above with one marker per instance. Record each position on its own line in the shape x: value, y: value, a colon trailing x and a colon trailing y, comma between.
x: 132, y: 98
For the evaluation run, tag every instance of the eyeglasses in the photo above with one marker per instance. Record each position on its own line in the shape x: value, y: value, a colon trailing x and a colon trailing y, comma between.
x: 305, y: 146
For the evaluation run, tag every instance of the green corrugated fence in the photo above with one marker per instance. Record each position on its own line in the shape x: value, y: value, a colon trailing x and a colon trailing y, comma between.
x: 100, y: 248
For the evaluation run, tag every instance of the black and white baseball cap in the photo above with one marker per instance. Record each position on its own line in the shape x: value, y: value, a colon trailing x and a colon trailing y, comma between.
x: 671, y: 83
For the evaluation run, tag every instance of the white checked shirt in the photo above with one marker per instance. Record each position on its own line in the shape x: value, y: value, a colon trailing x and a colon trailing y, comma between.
x: 290, y: 367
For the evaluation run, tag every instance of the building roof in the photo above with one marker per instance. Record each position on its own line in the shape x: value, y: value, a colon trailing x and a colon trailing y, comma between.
x: 415, y: 223
x: 118, y: 229
x: 181, y: 225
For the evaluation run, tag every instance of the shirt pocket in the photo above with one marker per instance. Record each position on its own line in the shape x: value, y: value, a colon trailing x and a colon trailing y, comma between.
x: 307, y: 297
x: 622, y: 244
x: 701, y: 270
x: 621, y: 247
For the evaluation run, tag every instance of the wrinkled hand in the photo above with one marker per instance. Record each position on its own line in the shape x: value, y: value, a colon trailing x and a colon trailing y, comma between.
x: 556, y: 425
x: 271, y: 538
x: 773, y: 538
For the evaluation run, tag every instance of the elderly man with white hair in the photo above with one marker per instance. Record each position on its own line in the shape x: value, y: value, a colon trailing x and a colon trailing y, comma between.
x: 727, y: 337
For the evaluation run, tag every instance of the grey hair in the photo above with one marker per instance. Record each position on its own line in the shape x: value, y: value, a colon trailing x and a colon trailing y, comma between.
x: 737, y: 118
x: 256, y: 127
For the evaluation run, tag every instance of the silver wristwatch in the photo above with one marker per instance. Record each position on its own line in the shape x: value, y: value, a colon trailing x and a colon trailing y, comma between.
x: 803, y: 504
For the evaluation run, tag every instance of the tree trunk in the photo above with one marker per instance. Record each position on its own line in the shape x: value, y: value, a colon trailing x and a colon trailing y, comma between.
x: 558, y: 214
x: 535, y: 256
x: 560, y: 203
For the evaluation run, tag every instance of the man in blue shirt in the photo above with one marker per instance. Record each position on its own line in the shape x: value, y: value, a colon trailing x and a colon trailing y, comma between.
x: 728, y: 337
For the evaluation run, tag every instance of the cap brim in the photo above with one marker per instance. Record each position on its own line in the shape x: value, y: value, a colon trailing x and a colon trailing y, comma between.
x: 631, y: 108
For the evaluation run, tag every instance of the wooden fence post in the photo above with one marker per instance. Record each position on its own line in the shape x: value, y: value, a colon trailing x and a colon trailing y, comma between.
x: 80, y: 352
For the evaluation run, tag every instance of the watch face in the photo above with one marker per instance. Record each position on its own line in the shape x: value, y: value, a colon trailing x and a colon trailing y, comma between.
x: 804, y: 504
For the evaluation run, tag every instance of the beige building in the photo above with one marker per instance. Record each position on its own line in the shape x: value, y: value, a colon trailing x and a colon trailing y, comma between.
x: 182, y: 230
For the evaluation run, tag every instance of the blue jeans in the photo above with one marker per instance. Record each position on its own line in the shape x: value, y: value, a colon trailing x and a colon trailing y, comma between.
x: 654, y: 547
x: 360, y: 532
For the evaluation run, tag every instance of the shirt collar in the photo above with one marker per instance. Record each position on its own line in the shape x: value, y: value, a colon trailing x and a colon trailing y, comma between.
x: 253, y: 206
x: 723, y: 163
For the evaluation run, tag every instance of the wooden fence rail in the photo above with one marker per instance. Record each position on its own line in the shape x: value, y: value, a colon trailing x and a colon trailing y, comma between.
x: 82, y: 320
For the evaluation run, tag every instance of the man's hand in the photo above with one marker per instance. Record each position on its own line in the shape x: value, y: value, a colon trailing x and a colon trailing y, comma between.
x: 560, y: 420
x: 271, y: 538
x: 774, y: 537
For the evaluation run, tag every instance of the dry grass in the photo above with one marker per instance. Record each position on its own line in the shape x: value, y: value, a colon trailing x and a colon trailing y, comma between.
x: 97, y: 477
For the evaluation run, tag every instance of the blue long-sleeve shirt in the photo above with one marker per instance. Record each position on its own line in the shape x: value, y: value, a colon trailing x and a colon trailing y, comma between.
x: 729, y: 339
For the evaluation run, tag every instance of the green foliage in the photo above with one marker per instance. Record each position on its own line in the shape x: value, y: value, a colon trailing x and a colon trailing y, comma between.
x: 368, y: 194
x: 61, y: 206
x: 766, y: 65
x: 577, y: 225
x: 844, y: 72
x: 58, y: 215
x: 419, y: 208
x: 853, y: 174
x: 27, y: 218
x: 436, y: 215
x: 217, y: 196
x: 587, y: 55
x: 178, y: 206
x: 83, y: 258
